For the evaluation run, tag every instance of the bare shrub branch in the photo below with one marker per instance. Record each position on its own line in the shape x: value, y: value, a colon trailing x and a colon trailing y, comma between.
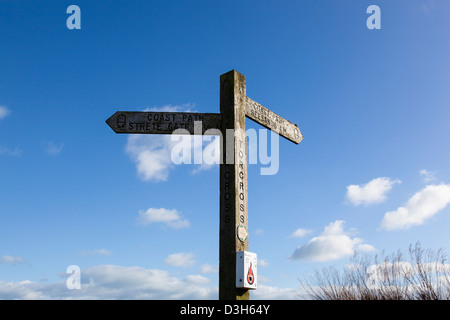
x: 425, y: 276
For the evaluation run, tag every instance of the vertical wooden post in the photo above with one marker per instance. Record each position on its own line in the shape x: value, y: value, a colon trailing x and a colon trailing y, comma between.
x: 233, y: 183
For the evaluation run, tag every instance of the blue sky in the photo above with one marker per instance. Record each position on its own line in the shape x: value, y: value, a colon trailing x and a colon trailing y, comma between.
x: 371, y: 174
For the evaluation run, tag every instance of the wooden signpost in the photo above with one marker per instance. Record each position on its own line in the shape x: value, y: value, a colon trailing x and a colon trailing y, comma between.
x: 234, y: 107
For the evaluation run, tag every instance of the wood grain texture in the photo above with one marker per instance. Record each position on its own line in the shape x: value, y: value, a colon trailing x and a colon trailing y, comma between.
x: 233, y: 183
x: 272, y: 121
x: 164, y: 122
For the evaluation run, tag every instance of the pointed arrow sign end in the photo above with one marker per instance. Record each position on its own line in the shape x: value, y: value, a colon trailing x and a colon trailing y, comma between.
x: 113, y: 122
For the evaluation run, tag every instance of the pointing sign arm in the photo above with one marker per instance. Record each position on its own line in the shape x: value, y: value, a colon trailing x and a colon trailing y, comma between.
x: 163, y: 122
x: 272, y: 121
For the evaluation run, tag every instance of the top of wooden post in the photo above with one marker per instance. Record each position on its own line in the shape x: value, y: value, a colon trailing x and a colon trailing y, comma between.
x: 260, y: 114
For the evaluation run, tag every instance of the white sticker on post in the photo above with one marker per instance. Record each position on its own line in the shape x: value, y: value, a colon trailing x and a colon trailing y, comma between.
x: 246, y: 270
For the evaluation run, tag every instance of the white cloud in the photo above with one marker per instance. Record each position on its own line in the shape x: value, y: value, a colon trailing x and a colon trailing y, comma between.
x: 171, y: 218
x: 372, y: 192
x: 428, y: 176
x: 181, y: 259
x: 116, y: 282
x: 265, y: 292
x: 332, y: 244
x: 421, y: 207
x: 258, y: 232
x: 4, y: 112
x: 153, y: 153
x: 364, y: 247
x: 263, y: 263
x: 187, y: 107
x: 16, y: 152
x: 197, y: 279
x: 53, y: 149
x: 207, y: 268
x: 132, y: 283
x: 12, y: 260
x: 21, y: 290
x: 300, y: 233
x: 98, y: 252
x: 428, y: 6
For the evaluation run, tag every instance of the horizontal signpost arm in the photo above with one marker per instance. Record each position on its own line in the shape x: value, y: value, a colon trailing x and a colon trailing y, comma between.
x: 272, y: 121
x: 164, y: 122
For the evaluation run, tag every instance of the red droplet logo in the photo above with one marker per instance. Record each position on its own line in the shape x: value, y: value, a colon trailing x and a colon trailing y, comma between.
x: 250, y: 276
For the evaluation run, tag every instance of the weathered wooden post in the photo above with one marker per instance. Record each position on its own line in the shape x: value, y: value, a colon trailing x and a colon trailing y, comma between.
x: 233, y: 184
